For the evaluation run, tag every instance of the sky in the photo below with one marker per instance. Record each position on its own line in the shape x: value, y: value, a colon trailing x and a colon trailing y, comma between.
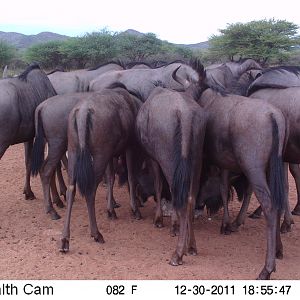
x: 182, y: 22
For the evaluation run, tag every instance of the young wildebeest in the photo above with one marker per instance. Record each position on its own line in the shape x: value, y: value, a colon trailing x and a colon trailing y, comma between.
x: 99, y: 128
x: 18, y: 99
x: 248, y: 136
x: 171, y: 128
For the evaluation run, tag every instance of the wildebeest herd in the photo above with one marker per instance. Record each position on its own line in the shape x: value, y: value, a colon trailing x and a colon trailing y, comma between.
x: 185, y: 128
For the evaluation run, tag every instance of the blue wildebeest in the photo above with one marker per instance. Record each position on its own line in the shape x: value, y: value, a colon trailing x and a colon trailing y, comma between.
x: 171, y: 128
x: 19, y: 98
x: 248, y: 136
x: 79, y: 80
x: 100, y: 127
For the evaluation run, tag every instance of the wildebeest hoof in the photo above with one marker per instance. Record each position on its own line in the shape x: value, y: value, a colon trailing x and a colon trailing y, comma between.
x: 174, y: 230
x: 112, y: 215
x: 296, y: 210
x: 226, y: 229
x: 192, y: 251
x: 286, y: 227
x: 99, y: 238
x: 264, y: 274
x: 59, y: 203
x: 175, y: 260
x: 54, y: 215
x: 137, y: 214
x: 158, y: 222
x: 234, y: 227
x: 279, y: 254
x: 64, y: 245
x: 29, y: 195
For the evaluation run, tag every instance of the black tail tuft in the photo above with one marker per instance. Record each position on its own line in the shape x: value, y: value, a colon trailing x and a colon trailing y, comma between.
x: 84, y: 172
x: 182, y: 171
x: 38, y: 148
x: 276, y: 170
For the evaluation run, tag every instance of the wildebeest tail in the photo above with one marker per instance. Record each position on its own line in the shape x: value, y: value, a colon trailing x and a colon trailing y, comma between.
x: 276, y: 171
x: 83, y: 171
x: 38, y: 145
x: 182, y: 167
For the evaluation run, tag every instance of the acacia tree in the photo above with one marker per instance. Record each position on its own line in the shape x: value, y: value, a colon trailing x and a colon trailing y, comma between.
x: 262, y: 40
x: 138, y: 48
x: 48, y: 54
x: 7, y: 53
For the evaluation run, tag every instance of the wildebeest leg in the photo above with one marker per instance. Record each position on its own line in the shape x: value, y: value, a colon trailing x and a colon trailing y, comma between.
x: 99, y: 165
x: 55, y: 152
x: 65, y: 241
x: 295, y: 171
x: 158, y: 218
x: 174, y: 223
x: 262, y: 192
x: 132, y: 184
x: 61, y: 182
x: 286, y: 225
x: 182, y: 243
x: 55, y: 197
x: 110, y: 175
x: 240, y: 219
x: 29, y: 195
x: 225, y: 227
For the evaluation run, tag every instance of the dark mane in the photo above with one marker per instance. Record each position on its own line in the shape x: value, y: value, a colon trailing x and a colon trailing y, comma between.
x: 292, y: 69
x: 56, y: 70
x: 117, y: 62
x: 23, y: 76
x: 165, y: 64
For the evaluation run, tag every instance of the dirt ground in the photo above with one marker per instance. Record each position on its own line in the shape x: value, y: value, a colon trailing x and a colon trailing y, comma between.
x: 134, y: 249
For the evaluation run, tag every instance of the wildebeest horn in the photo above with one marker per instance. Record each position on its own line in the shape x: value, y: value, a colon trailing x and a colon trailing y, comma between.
x: 178, y: 78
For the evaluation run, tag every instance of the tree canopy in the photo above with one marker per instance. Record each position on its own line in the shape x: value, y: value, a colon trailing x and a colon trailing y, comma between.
x: 97, y: 47
x: 262, y: 40
x: 7, y: 53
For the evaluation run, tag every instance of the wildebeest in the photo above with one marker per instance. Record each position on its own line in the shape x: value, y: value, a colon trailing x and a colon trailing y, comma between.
x: 143, y: 80
x: 171, y: 128
x: 248, y: 136
x: 100, y: 127
x: 225, y: 75
x: 79, y: 80
x: 274, y: 85
x: 19, y: 97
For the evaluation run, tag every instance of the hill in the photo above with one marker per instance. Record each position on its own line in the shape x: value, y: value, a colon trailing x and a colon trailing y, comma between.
x: 23, y: 41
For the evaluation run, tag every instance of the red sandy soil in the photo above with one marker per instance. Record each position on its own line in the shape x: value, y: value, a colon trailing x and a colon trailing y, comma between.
x: 134, y: 249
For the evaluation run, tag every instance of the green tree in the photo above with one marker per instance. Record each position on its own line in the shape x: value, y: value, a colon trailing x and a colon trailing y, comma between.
x: 262, y: 40
x: 7, y: 53
x: 48, y: 54
x: 138, y: 48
